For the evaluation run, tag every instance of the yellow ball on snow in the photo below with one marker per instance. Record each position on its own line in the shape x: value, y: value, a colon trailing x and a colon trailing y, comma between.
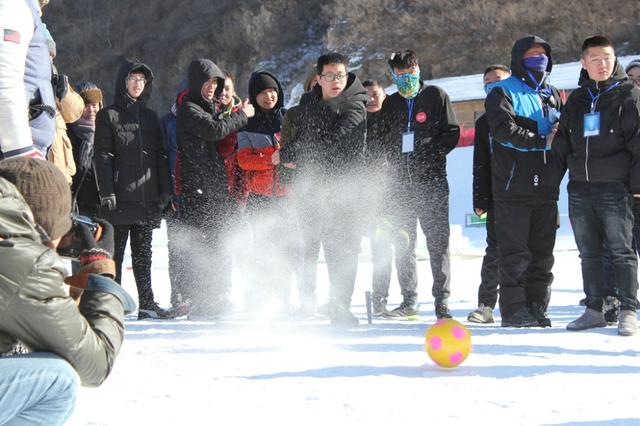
x: 448, y: 343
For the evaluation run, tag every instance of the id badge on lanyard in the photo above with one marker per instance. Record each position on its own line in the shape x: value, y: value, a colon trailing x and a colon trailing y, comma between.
x: 408, y: 137
x: 408, y: 142
x: 592, y: 124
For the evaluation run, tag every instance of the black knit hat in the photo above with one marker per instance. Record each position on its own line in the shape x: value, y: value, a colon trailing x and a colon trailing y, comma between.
x: 262, y: 81
x: 45, y: 189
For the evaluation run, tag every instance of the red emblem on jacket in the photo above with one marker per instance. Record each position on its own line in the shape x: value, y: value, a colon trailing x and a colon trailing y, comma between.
x: 421, y: 117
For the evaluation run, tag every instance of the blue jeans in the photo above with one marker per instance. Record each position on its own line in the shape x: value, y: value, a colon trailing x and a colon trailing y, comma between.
x: 601, y: 215
x: 36, y: 389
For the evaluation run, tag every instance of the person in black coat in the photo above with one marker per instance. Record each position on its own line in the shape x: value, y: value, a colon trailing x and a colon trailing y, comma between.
x: 522, y: 111
x: 483, y: 204
x: 598, y: 139
x: 327, y: 153
x: 132, y: 176
x: 207, y: 202
x: 419, y: 129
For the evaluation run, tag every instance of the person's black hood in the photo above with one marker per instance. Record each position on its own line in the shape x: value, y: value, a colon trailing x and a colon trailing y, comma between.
x: 618, y: 75
x: 122, y: 96
x: 201, y: 70
x: 354, y: 91
x: 253, y: 91
x: 518, y: 51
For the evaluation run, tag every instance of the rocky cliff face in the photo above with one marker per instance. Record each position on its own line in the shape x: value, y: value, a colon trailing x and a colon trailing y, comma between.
x: 452, y: 37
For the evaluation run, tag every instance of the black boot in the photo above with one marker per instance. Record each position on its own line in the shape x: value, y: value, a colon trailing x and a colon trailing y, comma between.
x: 539, y: 312
x: 520, y: 318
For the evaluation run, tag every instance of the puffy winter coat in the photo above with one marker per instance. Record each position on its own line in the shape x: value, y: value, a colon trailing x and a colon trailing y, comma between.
x: 328, y: 137
x: 203, y: 172
x: 613, y: 155
x: 259, y: 141
x: 129, y: 153
x: 35, y: 309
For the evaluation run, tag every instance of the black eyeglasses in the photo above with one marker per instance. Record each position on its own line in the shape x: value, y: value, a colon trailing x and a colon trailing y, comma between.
x: 137, y: 80
x: 329, y: 77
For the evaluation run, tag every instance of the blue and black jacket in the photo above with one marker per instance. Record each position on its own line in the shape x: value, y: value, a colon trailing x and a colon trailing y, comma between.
x: 521, y: 111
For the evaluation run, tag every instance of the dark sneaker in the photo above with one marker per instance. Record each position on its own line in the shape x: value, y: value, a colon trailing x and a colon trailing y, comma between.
x: 340, y: 315
x: 442, y: 311
x: 611, y: 309
x: 521, y: 318
x: 406, y: 309
x: 380, y: 309
x: 628, y: 324
x: 539, y: 312
x: 482, y: 315
x: 590, y: 319
x: 155, y: 312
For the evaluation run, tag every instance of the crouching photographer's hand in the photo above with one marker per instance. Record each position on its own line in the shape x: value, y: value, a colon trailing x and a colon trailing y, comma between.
x: 95, y: 259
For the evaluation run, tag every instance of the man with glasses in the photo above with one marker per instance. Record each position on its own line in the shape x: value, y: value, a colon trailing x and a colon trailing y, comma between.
x: 598, y: 139
x: 327, y: 152
x: 132, y: 176
x: 419, y: 128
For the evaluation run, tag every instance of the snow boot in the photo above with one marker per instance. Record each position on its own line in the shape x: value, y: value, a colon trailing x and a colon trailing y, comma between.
x: 628, y: 323
x: 539, y: 312
x: 520, y: 318
x: 482, y: 315
x: 590, y: 319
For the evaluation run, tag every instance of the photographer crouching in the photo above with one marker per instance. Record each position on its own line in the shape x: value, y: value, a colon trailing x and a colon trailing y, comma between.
x: 47, y: 340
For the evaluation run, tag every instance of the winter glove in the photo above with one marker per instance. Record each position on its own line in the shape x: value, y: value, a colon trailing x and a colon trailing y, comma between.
x: 60, y: 83
x: 102, y: 240
x: 108, y: 202
x: 164, y: 200
x: 95, y: 254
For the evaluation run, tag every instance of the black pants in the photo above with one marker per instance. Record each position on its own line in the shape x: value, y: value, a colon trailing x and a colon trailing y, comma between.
x: 526, y: 232
x: 176, y: 246
x: 602, y: 214
x: 275, y: 249
x: 207, y: 258
x: 488, y: 290
x: 334, y: 224
x: 141, y: 235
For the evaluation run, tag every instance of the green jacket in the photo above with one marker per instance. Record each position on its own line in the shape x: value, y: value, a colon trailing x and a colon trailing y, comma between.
x: 36, y: 311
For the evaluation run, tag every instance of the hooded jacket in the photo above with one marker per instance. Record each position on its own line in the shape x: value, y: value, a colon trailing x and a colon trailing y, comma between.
x: 613, y: 155
x: 200, y: 128
x: 35, y: 309
x: 330, y: 135
x: 520, y: 116
x: 129, y: 153
x: 259, y: 141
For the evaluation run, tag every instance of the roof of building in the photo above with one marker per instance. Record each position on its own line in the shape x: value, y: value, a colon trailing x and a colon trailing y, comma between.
x: 470, y: 87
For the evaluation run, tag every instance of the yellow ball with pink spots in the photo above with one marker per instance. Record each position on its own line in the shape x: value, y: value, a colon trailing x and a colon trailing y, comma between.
x: 448, y: 343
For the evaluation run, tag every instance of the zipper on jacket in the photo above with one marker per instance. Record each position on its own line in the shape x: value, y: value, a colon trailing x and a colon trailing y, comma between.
x: 144, y: 198
x: 513, y: 169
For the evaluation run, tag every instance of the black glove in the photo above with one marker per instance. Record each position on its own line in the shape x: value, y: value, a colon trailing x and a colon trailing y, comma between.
x: 108, y: 202
x: 104, y: 234
x: 164, y: 200
x: 60, y: 83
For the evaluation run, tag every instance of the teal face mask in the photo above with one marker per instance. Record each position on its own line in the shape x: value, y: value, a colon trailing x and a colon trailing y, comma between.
x: 408, y: 84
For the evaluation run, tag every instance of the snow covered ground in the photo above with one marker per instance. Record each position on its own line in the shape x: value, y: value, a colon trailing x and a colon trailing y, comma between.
x: 250, y: 371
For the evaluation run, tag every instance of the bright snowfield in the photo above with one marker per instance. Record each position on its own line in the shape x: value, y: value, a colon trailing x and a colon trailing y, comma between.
x: 261, y: 371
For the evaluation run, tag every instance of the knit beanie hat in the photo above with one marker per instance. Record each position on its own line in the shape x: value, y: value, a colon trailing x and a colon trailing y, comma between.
x: 260, y: 82
x: 632, y: 64
x: 89, y: 92
x: 45, y: 189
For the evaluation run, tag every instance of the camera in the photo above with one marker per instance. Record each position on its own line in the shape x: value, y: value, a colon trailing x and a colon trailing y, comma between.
x: 71, y: 244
